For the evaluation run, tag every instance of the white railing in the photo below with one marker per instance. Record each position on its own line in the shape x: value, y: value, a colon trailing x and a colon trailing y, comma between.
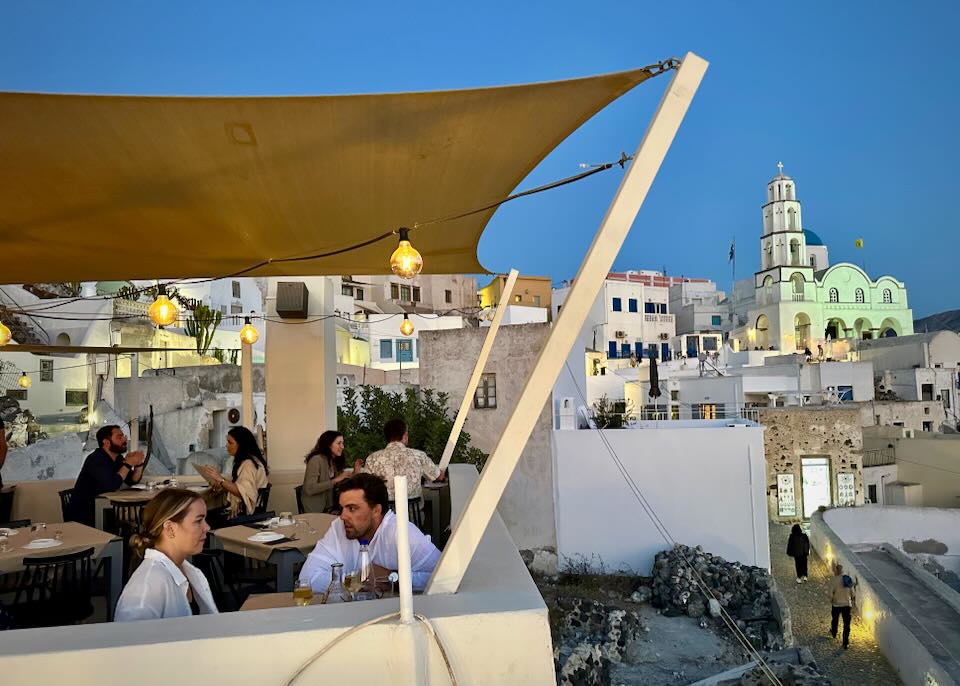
x: 798, y: 297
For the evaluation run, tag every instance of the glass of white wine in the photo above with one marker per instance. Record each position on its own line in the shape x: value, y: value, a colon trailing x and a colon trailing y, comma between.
x: 302, y: 594
x: 351, y: 582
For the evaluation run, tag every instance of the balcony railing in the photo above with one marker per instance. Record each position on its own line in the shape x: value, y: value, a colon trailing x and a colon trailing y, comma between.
x: 130, y: 308
x: 798, y: 297
x: 879, y: 458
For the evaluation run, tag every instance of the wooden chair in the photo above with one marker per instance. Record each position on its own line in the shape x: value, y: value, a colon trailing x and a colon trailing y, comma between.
x: 52, y: 591
x: 65, y: 497
x: 225, y: 592
x: 299, y: 493
x: 128, y: 520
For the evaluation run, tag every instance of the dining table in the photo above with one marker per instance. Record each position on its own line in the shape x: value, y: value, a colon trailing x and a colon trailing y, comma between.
x: 73, y: 536
x: 300, y: 538
x: 133, y: 494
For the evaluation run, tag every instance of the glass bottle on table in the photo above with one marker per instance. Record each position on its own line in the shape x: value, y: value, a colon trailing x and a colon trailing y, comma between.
x: 368, y: 581
x: 335, y: 592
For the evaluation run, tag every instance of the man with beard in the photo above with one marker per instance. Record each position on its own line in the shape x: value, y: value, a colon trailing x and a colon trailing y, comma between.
x: 104, y: 470
x: 366, y: 517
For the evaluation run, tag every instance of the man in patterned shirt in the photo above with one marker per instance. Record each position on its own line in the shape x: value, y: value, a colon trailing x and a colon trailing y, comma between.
x: 399, y: 460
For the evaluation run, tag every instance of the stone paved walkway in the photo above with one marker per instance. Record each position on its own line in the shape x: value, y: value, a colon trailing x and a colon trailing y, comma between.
x: 863, y: 663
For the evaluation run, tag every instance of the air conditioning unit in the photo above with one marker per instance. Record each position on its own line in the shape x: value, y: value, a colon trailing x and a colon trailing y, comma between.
x: 621, y: 334
x: 233, y: 416
x: 664, y: 336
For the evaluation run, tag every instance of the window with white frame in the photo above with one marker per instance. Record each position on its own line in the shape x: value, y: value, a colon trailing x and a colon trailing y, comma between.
x: 236, y: 289
x: 858, y: 295
x: 46, y: 370
x: 485, y: 397
x: 887, y: 295
x: 834, y: 295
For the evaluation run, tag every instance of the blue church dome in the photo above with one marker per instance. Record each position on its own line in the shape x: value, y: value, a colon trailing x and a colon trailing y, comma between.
x: 812, y: 238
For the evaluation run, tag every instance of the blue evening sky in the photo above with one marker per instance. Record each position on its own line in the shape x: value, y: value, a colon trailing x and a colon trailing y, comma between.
x: 859, y: 100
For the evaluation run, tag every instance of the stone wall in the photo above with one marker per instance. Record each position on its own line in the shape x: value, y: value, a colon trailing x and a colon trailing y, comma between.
x: 795, y: 433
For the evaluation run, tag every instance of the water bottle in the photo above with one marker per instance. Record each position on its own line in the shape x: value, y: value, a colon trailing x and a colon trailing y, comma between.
x: 335, y: 592
x: 368, y: 581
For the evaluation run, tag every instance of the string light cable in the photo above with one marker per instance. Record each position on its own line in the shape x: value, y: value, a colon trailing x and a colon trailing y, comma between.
x: 668, y: 538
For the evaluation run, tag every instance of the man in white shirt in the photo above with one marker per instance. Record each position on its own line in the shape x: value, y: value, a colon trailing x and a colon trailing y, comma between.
x: 365, y: 516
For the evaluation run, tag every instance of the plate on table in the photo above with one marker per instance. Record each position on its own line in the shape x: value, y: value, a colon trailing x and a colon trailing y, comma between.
x: 139, y: 487
x: 39, y: 543
x: 265, y: 537
x: 8, y: 532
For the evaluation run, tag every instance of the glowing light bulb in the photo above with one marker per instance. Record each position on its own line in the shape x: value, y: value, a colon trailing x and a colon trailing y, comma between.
x: 5, y: 334
x: 248, y: 334
x: 25, y: 381
x: 406, y: 262
x: 162, y: 312
x: 406, y: 326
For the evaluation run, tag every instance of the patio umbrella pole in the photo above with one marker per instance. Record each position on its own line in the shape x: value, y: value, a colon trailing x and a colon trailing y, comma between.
x: 403, y: 550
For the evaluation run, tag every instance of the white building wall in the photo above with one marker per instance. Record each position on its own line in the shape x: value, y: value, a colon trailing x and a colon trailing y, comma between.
x: 379, y: 328
x: 705, y: 481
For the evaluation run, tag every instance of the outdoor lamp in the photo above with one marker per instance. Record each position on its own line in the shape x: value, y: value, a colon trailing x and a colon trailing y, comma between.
x: 162, y: 312
x: 5, y: 334
x: 25, y: 381
x: 406, y: 326
x: 405, y: 261
x: 248, y: 334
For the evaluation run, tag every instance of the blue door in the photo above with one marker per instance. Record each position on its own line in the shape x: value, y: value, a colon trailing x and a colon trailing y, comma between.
x: 612, y: 350
x: 665, y: 351
x: 625, y: 351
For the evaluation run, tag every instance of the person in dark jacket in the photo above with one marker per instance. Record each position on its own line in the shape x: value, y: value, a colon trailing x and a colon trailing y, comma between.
x: 106, y: 469
x: 798, y: 547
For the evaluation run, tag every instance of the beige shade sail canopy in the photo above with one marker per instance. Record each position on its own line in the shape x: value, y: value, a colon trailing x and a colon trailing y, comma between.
x: 120, y: 187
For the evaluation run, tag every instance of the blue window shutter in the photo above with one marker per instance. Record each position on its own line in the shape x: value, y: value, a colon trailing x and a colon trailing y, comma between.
x: 638, y: 349
x: 612, y: 350
x: 617, y: 306
x: 649, y: 308
x: 632, y: 304
x: 386, y: 349
x: 715, y: 320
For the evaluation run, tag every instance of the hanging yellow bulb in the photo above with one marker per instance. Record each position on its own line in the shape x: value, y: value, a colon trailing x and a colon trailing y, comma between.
x: 25, y: 381
x: 248, y: 334
x: 406, y: 326
x: 5, y: 334
x: 162, y: 312
x: 405, y: 261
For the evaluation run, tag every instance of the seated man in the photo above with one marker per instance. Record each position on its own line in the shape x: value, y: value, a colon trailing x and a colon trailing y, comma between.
x: 363, y: 498
x: 399, y: 460
x: 104, y: 470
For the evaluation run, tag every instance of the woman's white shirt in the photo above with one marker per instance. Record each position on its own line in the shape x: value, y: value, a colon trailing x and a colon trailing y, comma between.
x: 158, y: 590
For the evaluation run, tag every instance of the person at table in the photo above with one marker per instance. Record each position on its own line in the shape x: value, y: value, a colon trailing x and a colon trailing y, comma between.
x: 249, y: 472
x: 166, y: 584
x: 397, y: 459
x: 104, y: 470
x: 365, y: 516
x: 325, y: 465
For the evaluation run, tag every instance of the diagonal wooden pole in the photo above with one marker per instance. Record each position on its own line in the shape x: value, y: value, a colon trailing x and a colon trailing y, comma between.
x: 613, y: 230
x: 478, y: 368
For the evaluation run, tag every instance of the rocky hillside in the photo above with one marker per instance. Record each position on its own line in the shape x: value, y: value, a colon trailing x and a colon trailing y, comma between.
x: 942, y: 321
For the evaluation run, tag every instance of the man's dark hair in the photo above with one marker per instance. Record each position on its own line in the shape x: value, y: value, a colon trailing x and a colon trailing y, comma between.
x: 105, y: 433
x: 394, y: 429
x: 374, y: 489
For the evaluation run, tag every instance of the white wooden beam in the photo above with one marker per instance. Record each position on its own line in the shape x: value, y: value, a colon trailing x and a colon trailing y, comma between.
x: 613, y: 230
x: 478, y: 368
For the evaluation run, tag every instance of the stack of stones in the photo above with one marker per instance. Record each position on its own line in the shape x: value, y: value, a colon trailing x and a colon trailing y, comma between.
x: 743, y: 591
x: 788, y: 675
x: 591, y: 636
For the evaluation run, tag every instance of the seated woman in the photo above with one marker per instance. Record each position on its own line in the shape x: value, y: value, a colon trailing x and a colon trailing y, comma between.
x: 325, y: 464
x: 165, y: 584
x: 249, y: 472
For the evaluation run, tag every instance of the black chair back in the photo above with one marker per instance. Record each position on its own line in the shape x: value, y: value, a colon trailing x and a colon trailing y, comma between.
x: 65, y: 497
x: 299, y: 493
x: 249, y: 519
x: 15, y: 524
x: 263, y: 497
x: 128, y: 517
x: 54, y: 590
x: 6, y: 503
x: 414, y: 511
x: 225, y: 592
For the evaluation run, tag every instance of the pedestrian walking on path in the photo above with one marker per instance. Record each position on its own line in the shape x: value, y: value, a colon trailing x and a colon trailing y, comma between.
x: 798, y: 547
x: 842, y: 598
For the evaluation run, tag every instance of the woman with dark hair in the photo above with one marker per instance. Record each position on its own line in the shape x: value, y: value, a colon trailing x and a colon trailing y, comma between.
x: 798, y: 547
x: 166, y: 584
x: 325, y: 465
x: 249, y: 472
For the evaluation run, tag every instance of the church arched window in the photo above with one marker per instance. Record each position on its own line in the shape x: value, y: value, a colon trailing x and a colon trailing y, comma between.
x: 791, y: 219
x: 834, y: 295
x: 794, y: 247
x: 887, y: 295
x: 789, y: 192
x: 767, y: 289
x: 858, y: 295
x: 797, y: 281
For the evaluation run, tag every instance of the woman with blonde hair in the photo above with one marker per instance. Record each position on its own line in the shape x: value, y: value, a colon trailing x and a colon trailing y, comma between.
x: 166, y: 584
